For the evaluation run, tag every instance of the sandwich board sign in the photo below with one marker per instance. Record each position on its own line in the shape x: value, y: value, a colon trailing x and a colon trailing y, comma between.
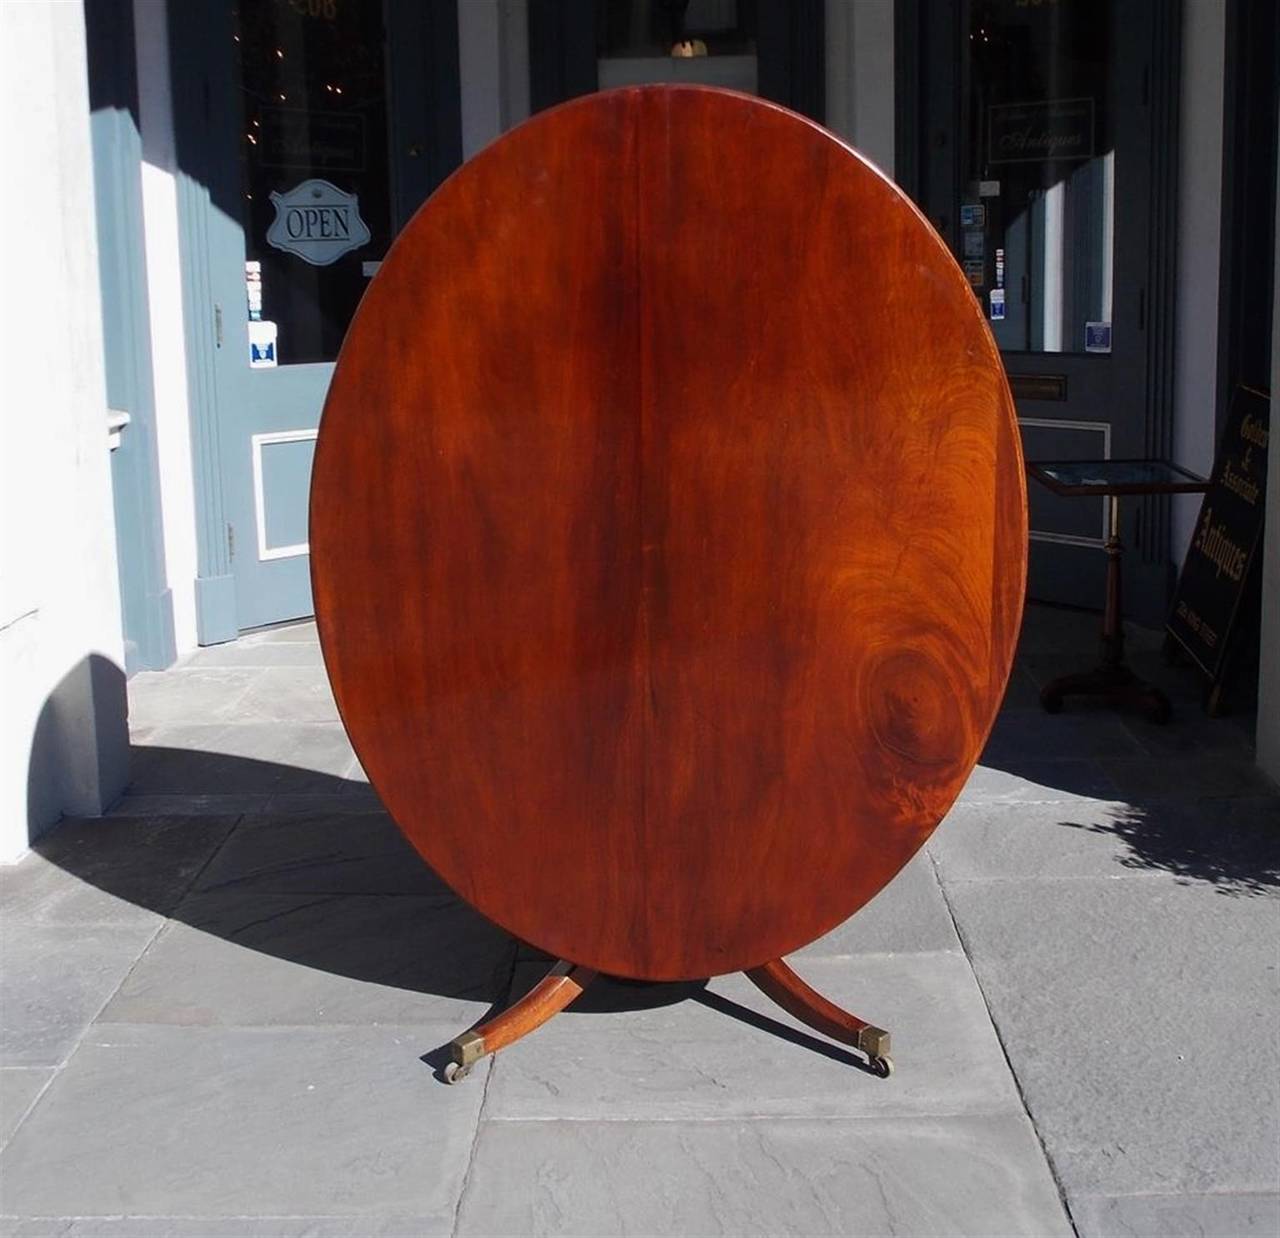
x: 1223, y: 552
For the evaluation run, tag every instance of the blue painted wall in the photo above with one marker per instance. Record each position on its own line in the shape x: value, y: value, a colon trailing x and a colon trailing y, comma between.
x: 146, y: 603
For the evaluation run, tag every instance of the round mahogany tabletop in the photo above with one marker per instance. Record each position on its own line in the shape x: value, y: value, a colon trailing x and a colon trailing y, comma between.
x: 668, y: 531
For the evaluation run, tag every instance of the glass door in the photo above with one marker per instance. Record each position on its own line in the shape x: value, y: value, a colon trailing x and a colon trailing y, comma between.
x: 314, y: 171
x: 773, y: 48
x: 1037, y: 168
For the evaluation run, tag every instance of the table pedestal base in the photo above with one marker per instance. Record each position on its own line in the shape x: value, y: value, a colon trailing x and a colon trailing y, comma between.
x: 1112, y: 680
x: 1118, y: 685
x: 565, y: 981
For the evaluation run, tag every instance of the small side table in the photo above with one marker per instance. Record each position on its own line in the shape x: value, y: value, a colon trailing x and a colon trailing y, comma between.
x: 1110, y: 479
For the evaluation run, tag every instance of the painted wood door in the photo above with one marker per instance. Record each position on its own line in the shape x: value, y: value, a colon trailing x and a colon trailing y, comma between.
x: 330, y: 122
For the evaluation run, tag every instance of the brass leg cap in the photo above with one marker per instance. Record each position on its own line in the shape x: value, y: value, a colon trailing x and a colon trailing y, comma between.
x: 467, y: 1049
x: 874, y: 1042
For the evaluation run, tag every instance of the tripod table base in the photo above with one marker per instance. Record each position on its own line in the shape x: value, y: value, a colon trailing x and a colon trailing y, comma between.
x: 566, y: 981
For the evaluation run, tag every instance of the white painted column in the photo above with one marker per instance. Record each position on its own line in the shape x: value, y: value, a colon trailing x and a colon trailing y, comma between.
x: 168, y: 335
x: 63, y: 736
x: 860, y: 76
x: 493, y: 64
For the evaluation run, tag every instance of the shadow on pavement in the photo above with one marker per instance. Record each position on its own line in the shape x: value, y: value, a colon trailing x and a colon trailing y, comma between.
x: 1184, y: 798
x: 1239, y: 858
x: 307, y: 867
x: 319, y: 876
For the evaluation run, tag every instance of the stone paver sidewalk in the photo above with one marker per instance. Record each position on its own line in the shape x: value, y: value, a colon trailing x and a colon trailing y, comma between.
x: 223, y: 1005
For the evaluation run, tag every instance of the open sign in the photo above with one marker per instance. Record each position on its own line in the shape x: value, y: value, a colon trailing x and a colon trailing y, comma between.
x: 317, y: 221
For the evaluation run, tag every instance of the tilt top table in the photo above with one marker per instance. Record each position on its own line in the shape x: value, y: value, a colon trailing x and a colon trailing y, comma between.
x: 1112, y: 679
x: 668, y: 538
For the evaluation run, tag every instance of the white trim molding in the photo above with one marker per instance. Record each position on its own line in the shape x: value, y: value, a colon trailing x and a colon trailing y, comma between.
x: 256, y: 443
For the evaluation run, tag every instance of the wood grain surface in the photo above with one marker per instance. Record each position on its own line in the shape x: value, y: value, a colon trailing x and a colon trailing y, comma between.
x: 668, y: 531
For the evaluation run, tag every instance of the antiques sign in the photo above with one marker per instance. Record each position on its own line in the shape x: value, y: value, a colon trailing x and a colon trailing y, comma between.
x: 1226, y: 537
x: 1040, y: 132
x: 317, y: 221
x: 323, y: 141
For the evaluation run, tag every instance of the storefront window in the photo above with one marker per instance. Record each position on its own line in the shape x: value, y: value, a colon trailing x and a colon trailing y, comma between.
x: 1038, y: 210
x: 316, y: 200
x: 709, y: 42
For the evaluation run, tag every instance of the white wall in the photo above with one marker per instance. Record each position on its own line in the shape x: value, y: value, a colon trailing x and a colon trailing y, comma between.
x: 164, y: 295
x: 63, y: 739
x: 860, y: 84
x: 1199, y: 252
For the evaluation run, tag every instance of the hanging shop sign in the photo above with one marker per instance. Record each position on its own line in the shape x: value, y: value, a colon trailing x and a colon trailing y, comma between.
x: 317, y: 221
x: 1044, y: 132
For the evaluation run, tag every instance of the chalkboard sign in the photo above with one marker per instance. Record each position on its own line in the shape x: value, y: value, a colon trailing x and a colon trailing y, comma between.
x: 1227, y: 534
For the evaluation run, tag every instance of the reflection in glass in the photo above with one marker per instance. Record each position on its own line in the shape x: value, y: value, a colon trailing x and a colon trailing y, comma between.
x: 314, y: 109
x: 1104, y: 475
x: 1038, y: 220
x: 710, y: 42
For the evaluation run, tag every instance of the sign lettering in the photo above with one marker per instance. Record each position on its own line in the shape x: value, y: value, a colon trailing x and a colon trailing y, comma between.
x: 1055, y: 129
x: 318, y: 222
x: 1226, y: 536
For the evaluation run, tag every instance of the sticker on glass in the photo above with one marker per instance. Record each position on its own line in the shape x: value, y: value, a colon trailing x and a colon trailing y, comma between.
x: 262, y: 345
x: 973, y: 215
x: 1097, y: 337
x: 262, y: 335
x: 997, y: 304
x: 317, y: 221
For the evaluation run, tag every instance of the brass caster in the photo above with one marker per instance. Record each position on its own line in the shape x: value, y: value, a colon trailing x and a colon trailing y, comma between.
x: 881, y: 1067
x: 455, y: 1073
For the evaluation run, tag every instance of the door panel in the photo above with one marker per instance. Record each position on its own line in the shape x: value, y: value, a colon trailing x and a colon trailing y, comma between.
x: 333, y: 139
x: 275, y: 407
